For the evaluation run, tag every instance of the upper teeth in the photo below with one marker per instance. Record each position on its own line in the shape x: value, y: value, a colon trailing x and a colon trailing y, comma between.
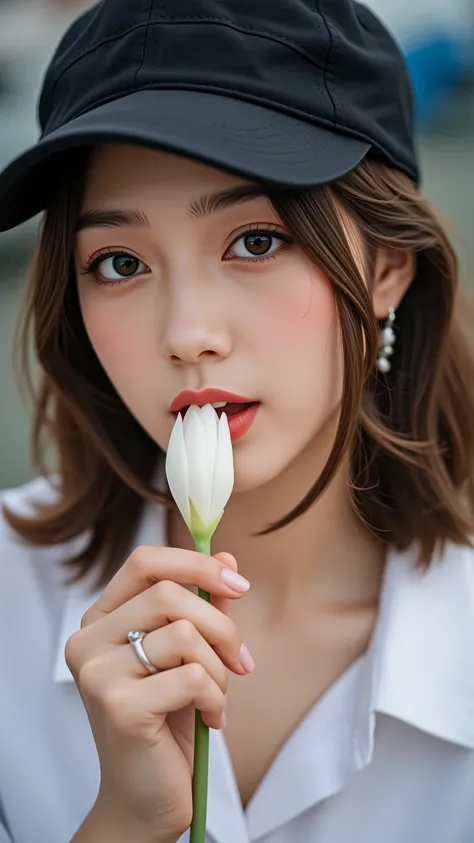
x: 217, y: 404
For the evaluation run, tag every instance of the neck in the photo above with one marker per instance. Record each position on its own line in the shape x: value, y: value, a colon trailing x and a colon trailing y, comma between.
x: 324, y: 558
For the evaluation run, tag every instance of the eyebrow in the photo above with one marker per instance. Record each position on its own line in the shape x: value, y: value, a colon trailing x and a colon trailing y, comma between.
x: 204, y: 206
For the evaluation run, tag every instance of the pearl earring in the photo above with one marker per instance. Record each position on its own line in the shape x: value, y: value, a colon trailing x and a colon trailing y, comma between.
x: 386, y: 343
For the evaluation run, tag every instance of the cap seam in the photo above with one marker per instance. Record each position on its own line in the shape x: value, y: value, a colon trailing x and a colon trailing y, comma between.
x: 252, y: 30
x: 327, y: 60
x: 335, y: 48
x: 119, y: 33
x: 140, y: 64
x: 220, y: 21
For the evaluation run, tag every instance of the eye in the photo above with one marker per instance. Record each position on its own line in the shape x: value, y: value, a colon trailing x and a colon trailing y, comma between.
x: 258, y: 243
x: 114, y: 267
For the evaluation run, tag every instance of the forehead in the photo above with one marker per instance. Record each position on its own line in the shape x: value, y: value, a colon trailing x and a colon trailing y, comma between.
x: 119, y: 171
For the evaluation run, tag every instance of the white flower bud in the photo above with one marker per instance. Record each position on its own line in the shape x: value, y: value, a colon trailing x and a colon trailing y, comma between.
x: 200, y: 468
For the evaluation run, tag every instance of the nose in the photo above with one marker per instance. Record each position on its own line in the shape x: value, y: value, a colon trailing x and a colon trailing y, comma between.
x: 195, y: 327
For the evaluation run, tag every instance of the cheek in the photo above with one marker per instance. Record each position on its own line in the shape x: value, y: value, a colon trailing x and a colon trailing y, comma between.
x: 118, y: 340
x: 299, y: 340
x: 300, y: 318
x: 108, y: 342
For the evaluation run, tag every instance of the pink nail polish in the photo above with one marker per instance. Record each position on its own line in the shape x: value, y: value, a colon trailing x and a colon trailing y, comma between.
x: 246, y: 659
x: 234, y: 581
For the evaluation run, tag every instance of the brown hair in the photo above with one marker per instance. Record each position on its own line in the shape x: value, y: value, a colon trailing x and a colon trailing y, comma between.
x: 410, y: 432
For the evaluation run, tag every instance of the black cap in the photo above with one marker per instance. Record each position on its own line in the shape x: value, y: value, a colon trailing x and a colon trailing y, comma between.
x: 293, y: 93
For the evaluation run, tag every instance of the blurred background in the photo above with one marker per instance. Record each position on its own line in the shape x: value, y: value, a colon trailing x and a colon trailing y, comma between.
x: 437, y: 37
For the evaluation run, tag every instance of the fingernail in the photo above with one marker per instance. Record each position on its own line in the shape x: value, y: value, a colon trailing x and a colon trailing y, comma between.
x: 246, y: 659
x: 223, y: 720
x: 234, y: 581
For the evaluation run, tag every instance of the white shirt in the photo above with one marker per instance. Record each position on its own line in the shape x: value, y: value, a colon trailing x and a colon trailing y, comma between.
x: 386, y: 756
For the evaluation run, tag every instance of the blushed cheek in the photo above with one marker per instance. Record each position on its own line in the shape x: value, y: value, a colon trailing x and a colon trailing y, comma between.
x: 117, y: 348
x: 302, y: 312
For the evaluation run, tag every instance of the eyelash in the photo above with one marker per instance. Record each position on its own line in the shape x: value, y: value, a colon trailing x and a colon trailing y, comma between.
x: 94, y: 262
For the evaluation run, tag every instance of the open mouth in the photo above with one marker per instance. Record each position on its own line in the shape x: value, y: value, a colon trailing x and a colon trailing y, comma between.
x: 228, y: 407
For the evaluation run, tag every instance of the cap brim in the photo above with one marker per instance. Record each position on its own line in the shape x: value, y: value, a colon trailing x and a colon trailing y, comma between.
x: 241, y: 137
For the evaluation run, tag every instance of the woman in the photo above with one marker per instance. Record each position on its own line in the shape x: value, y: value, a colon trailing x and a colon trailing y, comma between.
x: 232, y: 215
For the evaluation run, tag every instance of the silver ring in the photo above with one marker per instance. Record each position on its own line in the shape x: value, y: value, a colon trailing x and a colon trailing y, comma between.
x: 135, y: 639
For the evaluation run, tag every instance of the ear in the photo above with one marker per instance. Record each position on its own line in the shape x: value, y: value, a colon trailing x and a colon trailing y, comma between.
x: 394, y: 272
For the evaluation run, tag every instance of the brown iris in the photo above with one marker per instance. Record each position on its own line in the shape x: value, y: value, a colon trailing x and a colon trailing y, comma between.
x: 125, y: 265
x: 259, y: 243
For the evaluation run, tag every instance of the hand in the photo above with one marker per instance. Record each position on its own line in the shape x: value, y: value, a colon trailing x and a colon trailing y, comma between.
x: 143, y: 724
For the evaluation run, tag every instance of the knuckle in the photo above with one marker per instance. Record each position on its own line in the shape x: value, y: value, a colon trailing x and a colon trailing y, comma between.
x: 73, y: 651
x: 165, y: 592
x: 90, y: 616
x: 85, y: 619
x: 186, y: 633
x: 138, y: 559
x: 198, y: 677
x: 89, y: 678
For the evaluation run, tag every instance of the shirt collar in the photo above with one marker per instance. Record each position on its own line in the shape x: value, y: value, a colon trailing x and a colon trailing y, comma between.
x: 423, y: 666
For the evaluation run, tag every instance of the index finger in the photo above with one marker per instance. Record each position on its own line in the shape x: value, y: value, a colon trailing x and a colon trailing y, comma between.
x: 149, y: 564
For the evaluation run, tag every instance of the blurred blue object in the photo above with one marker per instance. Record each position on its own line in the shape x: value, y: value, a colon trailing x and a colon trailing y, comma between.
x: 435, y: 67
x: 437, y: 38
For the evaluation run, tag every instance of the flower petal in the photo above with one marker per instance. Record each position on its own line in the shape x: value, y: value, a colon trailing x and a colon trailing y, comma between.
x: 199, y: 476
x: 223, y: 481
x: 176, y: 469
x: 192, y: 409
x: 210, y: 424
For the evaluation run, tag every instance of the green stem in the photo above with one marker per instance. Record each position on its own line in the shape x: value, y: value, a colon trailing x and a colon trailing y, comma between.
x: 201, y: 745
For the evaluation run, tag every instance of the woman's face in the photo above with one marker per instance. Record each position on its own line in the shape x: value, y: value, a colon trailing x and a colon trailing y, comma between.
x: 190, y: 293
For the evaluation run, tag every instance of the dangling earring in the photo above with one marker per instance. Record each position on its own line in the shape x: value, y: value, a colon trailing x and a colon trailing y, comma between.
x: 386, y: 343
